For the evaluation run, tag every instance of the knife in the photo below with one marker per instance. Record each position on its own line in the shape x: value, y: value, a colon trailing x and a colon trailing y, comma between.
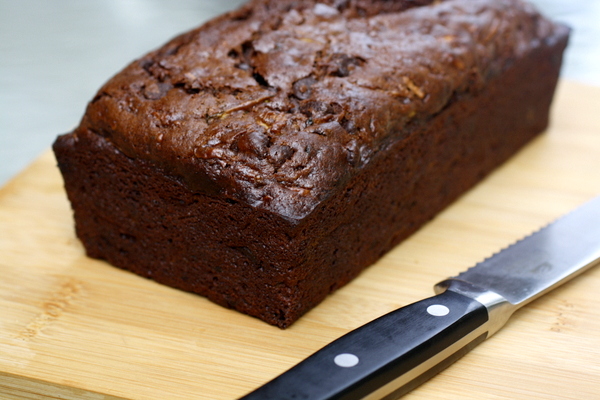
x: 390, y: 356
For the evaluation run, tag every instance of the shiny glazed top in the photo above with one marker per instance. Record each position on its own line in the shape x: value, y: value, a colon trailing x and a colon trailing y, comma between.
x: 278, y: 103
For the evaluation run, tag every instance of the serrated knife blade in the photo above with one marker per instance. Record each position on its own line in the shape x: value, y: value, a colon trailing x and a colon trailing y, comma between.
x: 388, y: 357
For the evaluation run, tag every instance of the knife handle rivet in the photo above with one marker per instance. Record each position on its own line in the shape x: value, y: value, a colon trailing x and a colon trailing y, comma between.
x: 345, y: 360
x: 438, y: 310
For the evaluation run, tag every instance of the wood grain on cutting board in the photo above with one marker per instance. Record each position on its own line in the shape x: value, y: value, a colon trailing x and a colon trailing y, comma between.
x: 76, y: 328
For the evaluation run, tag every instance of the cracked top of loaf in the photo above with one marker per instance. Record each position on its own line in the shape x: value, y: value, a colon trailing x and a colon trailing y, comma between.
x: 278, y: 103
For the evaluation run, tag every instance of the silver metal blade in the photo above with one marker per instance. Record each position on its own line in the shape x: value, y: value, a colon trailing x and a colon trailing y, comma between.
x: 546, y: 259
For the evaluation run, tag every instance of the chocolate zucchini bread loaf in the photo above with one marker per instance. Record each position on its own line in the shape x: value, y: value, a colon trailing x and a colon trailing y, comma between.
x: 266, y: 158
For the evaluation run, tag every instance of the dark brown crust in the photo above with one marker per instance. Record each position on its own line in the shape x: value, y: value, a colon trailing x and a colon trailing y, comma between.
x: 169, y: 221
x: 279, y: 104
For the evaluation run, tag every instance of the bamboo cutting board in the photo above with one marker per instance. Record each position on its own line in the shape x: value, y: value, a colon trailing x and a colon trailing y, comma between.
x: 77, y: 328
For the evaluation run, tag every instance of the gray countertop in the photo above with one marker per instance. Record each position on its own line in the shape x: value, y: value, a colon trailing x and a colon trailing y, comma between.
x: 54, y: 55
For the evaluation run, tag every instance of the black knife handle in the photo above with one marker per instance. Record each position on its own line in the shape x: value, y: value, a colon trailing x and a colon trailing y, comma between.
x: 387, y: 357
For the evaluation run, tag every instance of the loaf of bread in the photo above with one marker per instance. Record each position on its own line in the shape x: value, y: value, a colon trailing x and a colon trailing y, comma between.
x: 266, y: 158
